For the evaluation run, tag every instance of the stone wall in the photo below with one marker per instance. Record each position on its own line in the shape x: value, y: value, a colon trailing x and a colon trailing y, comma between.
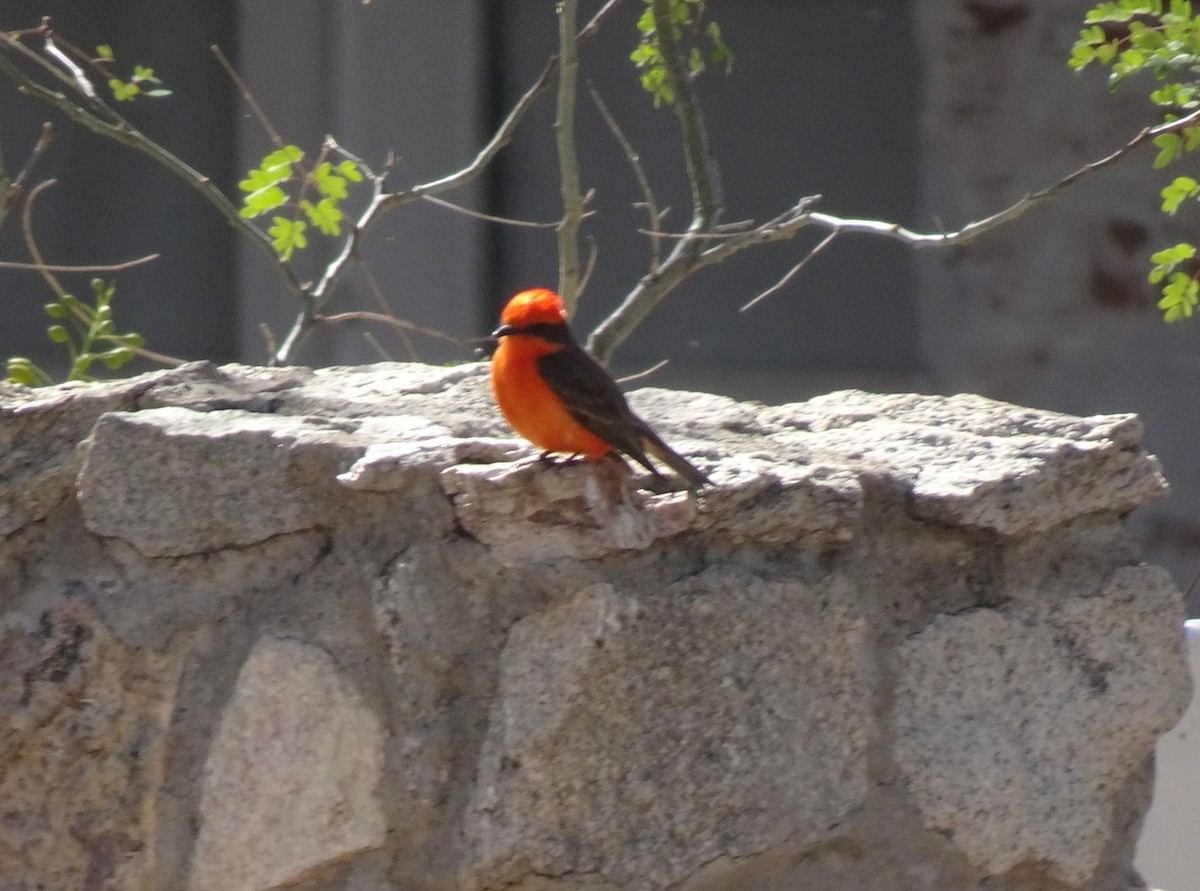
x: 266, y: 628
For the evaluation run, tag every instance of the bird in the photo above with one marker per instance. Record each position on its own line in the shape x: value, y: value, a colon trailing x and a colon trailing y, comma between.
x: 561, y: 399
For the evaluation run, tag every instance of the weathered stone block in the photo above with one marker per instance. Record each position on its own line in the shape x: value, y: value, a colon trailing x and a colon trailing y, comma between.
x: 336, y: 629
x: 289, y: 786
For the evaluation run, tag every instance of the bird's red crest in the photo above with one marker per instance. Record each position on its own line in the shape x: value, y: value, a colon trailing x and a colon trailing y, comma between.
x: 533, y: 306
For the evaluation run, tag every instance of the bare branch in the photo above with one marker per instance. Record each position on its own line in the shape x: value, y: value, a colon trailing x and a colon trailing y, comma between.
x: 653, y: 369
x: 10, y: 191
x: 707, y: 200
x: 791, y: 273
x: 639, y: 174
x: 31, y: 245
x: 392, y: 321
x: 653, y: 288
x: 1025, y: 204
x: 593, y: 256
x: 568, y: 156
x: 383, y: 202
x: 121, y: 131
x: 487, y: 217
x: 248, y: 98
x: 98, y: 267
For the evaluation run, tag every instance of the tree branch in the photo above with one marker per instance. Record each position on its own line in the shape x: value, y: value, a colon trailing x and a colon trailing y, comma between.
x: 686, y: 257
x: 707, y: 200
x: 652, y: 288
x: 12, y: 189
x: 639, y: 174
x: 383, y: 202
x: 568, y: 156
x: 121, y: 131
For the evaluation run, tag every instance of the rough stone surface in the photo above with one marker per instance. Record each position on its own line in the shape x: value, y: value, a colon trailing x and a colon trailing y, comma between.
x: 82, y: 721
x: 1047, y: 676
x: 768, y: 689
x: 290, y: 780
x: 337, y: 630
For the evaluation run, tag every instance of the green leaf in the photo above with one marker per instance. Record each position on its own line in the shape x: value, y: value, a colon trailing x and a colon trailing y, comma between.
x: 644, y: 54
x: 117, y: 357
x: 58, y: 334
x: 1170, y: 147
x: 24, y: 371
x: 283, y: 157
x: 324, y: 215
x: 1082, y: 54
x: 350, y: 171
x: 263, y: 200
x: 55, y: 310
x: 122, y: 91
x: 1179, y: 297
x: 1180, y: 189
x: 104, y: 51
x: 288, y: 236
x: 328, y: 182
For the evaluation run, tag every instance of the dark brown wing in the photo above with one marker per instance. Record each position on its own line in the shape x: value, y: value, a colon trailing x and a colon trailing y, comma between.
x: 594, y: 399
x: 597, y: 403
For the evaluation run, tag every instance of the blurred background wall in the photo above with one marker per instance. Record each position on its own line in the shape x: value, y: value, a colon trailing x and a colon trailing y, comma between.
x: 926, y: 112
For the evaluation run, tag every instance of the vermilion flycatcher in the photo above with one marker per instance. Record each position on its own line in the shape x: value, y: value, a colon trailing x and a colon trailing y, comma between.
x: 559, y: 398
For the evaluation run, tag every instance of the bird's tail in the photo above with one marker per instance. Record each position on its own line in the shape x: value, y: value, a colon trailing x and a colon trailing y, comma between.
x: 664, y: 453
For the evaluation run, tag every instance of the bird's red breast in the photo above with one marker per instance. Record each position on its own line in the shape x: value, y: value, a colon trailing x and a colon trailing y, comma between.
x: 534, y: 410
x: 561, y: 399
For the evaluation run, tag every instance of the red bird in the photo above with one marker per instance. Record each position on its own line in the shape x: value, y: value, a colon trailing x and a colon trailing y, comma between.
x: 559, y: 398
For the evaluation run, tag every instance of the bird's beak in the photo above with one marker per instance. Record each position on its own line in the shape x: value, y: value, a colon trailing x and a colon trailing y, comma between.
x: 504, y: 330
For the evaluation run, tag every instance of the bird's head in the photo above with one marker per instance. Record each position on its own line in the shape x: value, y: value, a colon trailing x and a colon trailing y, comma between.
x: 537, y: 306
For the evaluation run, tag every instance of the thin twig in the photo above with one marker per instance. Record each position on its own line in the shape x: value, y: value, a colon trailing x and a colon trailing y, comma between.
x: 248, y: 98
x: 399, y: 324
x: 703, y: 176
x: 98, y: 267
x: 368, y: 275
x: 707, y: 202
x: 594, y: 25
x: 383, y: 202
x: 160, y: 358
x: 590, y: 267
x: 11, y: 190
x: 791, y: 273
x: 639, y: 173
x: 47, y: 270
x: 77, y: 76
x: 268, y: 337
x: 39, y: 262
x: 656, y: 367
x: 383, y: 354
x: 653, y: 288
x: 121, y: 131
x: 568, y: 156
x: 487, y: 217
